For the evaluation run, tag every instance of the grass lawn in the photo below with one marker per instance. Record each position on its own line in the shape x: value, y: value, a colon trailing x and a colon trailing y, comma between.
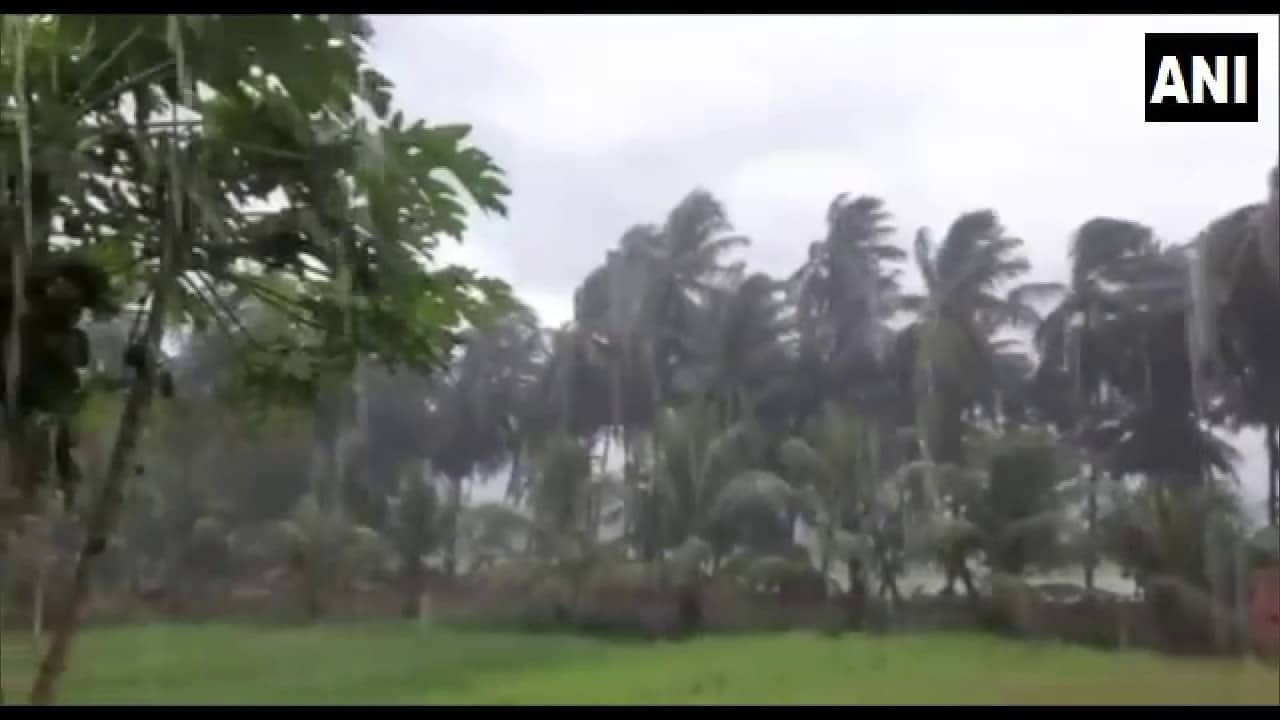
x: 402, y: 663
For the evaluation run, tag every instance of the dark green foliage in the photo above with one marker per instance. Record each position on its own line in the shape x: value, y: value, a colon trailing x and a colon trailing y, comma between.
x: 1019, y: 509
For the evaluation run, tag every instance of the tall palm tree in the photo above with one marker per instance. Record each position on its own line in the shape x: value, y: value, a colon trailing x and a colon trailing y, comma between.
x: 641, y: 306
x: 475, y: 408
x: 1071, y: 345
x: 1162, y: 430
x: 737, y: 352
x: 951, y: 336
x: 844, y: 293
x: 687, y: 261
x: 1236, y: 291
x: 955, y: 320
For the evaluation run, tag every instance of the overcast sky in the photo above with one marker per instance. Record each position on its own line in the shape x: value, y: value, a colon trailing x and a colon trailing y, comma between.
x: 603, y: 122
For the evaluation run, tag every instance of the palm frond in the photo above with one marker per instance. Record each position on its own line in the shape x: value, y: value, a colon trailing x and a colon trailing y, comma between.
x: 1037, y: 292
x: 753, y: 488
x: 925, y: 259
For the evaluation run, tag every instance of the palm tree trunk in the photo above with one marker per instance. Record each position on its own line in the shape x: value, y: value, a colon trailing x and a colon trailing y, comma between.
x: 13, y: 465
x: 615, y: 403
x: 889, y: 583
x: 412, y: 587
x: 455, y: 510
x: 1091, y: 519
x: 312, y: 596
x: 1085, y: 398
x: 824, y: 555
x: 1273, y: 474
x: 655, y: 513
x: 4, y: 592
x: 37, y: 608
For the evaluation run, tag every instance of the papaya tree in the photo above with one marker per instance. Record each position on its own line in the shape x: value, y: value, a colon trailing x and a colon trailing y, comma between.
x: 192, y: 157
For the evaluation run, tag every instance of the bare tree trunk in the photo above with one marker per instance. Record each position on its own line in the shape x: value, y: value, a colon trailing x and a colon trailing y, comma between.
x: 101, y: 522
x: 37, y: 609
x: 106, y: 509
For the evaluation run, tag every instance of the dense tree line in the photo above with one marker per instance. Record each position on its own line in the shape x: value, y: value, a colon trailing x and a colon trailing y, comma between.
x: 696, y: 412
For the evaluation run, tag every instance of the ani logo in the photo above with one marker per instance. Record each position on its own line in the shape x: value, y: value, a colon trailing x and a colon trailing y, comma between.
x: 1202, y: 77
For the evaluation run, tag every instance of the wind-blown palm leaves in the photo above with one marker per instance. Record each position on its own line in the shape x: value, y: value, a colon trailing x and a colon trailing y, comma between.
x: 654, y: 286
x: 701, y: 476
x: 951, y: 343
x: 1074, y: 338
x: 1160, y: 536
x: 1161, y: 430
x: 1236, y: 350
x: 474, y: 407
x: 1068, y: 339
x: 843, y: 295
x: 738, y: 357
x: 961, y: 309
x: 1270, y: 222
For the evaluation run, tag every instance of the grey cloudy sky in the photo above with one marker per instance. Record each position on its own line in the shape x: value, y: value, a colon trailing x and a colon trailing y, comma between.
x: 602, y: 122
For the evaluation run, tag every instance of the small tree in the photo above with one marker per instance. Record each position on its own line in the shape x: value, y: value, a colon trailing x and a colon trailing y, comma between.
x: 417, y: 524
x: 205, y: 117
x: 324, y: 553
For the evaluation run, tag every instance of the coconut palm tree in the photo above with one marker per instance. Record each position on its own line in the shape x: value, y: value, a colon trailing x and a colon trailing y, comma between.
x: 951, y: 337
x: 737, y: 351
x: 712, y: 486
x: 845, y: 292
x: 1071, y: 345
x: 1235, y: 293
x: 640, y: 308
x: 475, y: 407
x: 955, y: 319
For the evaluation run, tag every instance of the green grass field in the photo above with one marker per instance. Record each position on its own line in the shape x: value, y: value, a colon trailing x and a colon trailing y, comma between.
x: 402, y: 663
